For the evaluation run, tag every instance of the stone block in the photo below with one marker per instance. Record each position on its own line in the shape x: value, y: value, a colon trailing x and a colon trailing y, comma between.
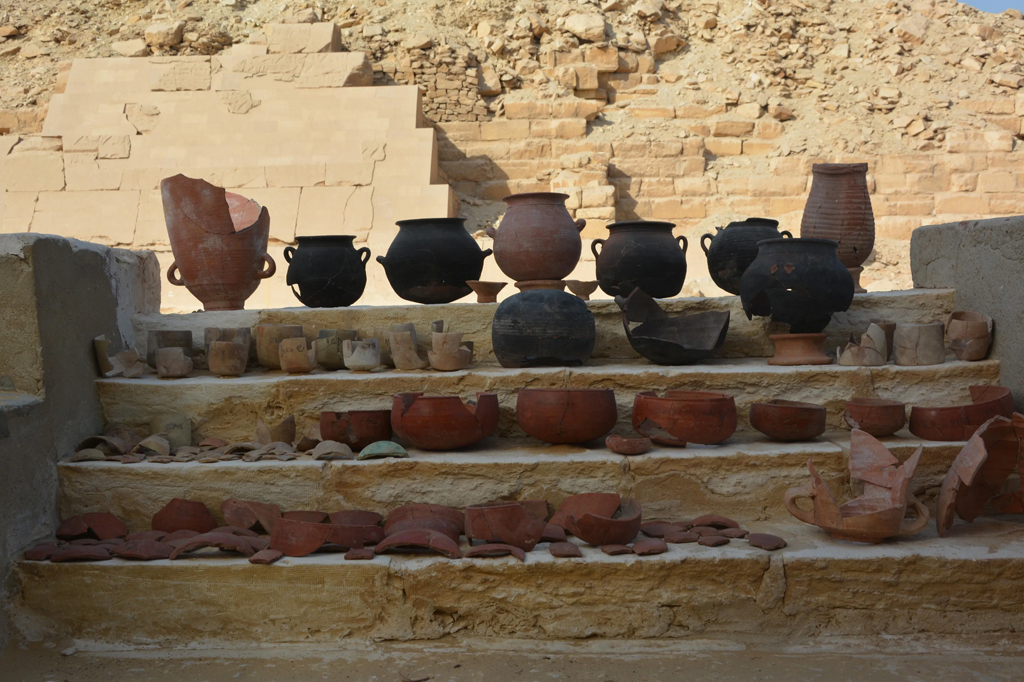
x: 104, y: 146
x: 296, y: 175
x: 757, y: 147
x: 631, y: 148
x: 527, y: 109
x: 150, y: 226
x: 519, y: 150
x: 997, y: 181
x: 732, y: 128
x: 103, y: 217
x: 33, y: 172
x: 642, y: 111
x: 289, y: 71
x: 782, y: 205
x: 724, y: 146
x: 596, y: 214
x: 565, y: 128
x: 504, y: 130
x: 303, y: 38
x: 697, y: 111
x: 657, y: 188
x: 335, y: 210
x: 769, y: 129
x: 961, y: 204
x: 568, y: 107
x: 775, y: 186
x: 603, y: 58
x: 165, y: 34
x: 18, y: 208
x: 586, y: 77
x: 695, y: 187
x: 183, y: 76
x: 588, y: 27
x: 82, y: 172
x: 668, y: 209
x: 458, y: 130
x: 476, y: 170
x: 596, y: 197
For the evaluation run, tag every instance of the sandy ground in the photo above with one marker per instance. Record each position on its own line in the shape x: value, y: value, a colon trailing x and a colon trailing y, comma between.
x: 619, y: 661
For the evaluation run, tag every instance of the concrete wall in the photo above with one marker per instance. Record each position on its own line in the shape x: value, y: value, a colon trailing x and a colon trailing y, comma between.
x: 58, y: 294
x: 984, y: 261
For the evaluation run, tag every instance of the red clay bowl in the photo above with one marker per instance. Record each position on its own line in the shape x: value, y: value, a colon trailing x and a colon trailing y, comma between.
x: 683, y: 417
x: 787, y: 420
x: 961, y: 421
x: 566, y: 415
x: 876, y: 416
x: 443, y: 422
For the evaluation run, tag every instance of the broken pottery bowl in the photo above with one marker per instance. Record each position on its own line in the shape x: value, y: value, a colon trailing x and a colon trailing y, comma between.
x: 405, y: 351
x: 919, y: 344
x: 880, y: 511
x: 619, y: 528
x: 601, y: 504
x: 664, y: 340
x: 382, y: 449
x: 878, y: 417
x: 226, y: 358
x: 179, y: 514
x: 566, y: 415
x: 227, y: 542
x: 418, y: 538
x: 509, y: 523
x: 872, y: 350
x: 970, y: 334
x: 788, y: 420
x: 961, y: 421
x: 495, y: 549
x: 448, y: 352
x: 298, y: 538
x: 268, y: 342
x: 330, y: 347
x: 443, y: 422
x: 167, y: 338
x: 296, y: 356
x: 682, y: 417
x: 172, y: 363
x: 446, y: 520
x: 581, y: 289
x: 362, y: 355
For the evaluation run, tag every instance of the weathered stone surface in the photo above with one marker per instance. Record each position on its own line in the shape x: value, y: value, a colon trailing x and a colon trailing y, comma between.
x: 165, y: 34
x: 303, y: 38
x: 136, y: 47
x: 586, y: 26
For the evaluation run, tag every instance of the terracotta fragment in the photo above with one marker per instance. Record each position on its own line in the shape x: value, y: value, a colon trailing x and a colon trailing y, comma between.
x: 179, y: 535
x: 329, y: 450
x: 382, y: 449
x: 330, y: 347
x: 224, y: 541
x: 105, y: 525
x: 616, y: 550
x: 961, y: 421
x: 566, y: 415
x: 538, y: 508
x: 258, y: 543
x: 167, y: 338
x: 486, y: 292
x: 360, y: 554
x: 683, y: 525
x: 713, y: 540
x: 41, y: 552
x: 405, y: 351
x: 305, y: 516
x: 88, y: 455
x: 268, y: 342
x: 715, y: 521
x: 283, y: 432
x: 235, y: 530
x: 143, y: 550
x: 685, y: 416
x: 649, y: 546
x: 356, y: 517
x: 565, y: 550
x: 80, y: 553
x: 705, y: 530
x: 601, y: 504
x: 581, y: 289
x: 362, y: 355
x: 970, y: 334
x: 510, y: 524
x: 878, y: 417
x: 919, y: 344
x: 446, y: 520
x: 734, y: 533
x: 84, y: 542
x: 619, y: 529
x: 108, y: 445
x: 799, y: 349
x: 665, y: 340
x: 172, y: 363
x: 656, y: 529
x: 678, y: 536
x: 878, y: 513
x: 250, y: 515
x: 448, y: 352
x: 495, y: 550
x: 788, y: 420
x: 553, y: 533
x: 357, y: 428
x: 443, y: 422
x: 179, y: 514
x: 265, y: 557
x: 296, y: 356
x: 298, y: 538
x: 420, y: 539
x: 870, y: 352
x: 156, y: 535
x: 766, y: 542
x: 628, y: 446
x: 72, y: 529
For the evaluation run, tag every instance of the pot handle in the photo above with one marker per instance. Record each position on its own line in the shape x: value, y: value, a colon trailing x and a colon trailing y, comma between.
x: 365, y: 251
x: 491, y: 232
x: 593, y: 247
x: 786, y: 233
x: 794, y: 494
x: 485, y: 253
x: 380, y: 259
x: 920, y: 522
x: 706, y: 235
x: 686, y: 244
x: 580, y: 224
x: 176, y: 281
x: 271, y: 266
x: 289, y: 253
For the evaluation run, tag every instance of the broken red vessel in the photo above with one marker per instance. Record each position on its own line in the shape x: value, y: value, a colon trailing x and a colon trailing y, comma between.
x: 179, y: 514
x: 443, y: 422
x: 682, y: 417
x: 961, y: 421
x: 356, y: 428
x: 510, y: 523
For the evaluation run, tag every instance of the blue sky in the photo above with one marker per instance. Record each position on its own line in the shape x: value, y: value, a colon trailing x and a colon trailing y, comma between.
x: 996, y: 6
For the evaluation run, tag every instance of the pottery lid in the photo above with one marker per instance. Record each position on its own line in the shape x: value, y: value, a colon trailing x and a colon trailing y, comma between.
x: 545, y: 197
x: 326, y: 238
x: 839, y: 168
x: 418, y: 222
x: 751, y: 222
x: 641, y: 224
x: 799, y: 240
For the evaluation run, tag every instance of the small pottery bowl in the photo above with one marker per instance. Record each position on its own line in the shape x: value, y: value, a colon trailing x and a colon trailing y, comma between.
x: 788, y: 420
x: 583, y: 289
x: 443, y: 422
x: 683, y: 417
x: 566, y: 415
x: 619, y: 529
x: 357, y: 428
x: 628, y: 446
x: 959, y: 422
x: 970, y: 334
x: 876, y: 416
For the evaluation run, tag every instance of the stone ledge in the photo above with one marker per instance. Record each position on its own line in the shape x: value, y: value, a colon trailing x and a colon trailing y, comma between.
x: 814, y: 588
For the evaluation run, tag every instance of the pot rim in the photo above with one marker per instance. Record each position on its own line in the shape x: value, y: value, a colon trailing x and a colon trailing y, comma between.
x: 752, y: 220
x: 779, y: 404
x: 874, y: 402
x: 325, y: 238
x: 711, y: 396
x: 417, y: 222
x: 641, y: 224
x: 381, y: 411
x: 799, y: 240
x: 551, y: 197
x: 591, y: 391
x: 839, y: 168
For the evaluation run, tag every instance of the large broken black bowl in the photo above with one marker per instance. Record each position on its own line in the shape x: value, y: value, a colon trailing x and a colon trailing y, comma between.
x: 664, y: 340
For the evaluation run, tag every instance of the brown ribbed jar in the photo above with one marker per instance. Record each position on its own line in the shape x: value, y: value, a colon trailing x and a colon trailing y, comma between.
x: 839, y: 208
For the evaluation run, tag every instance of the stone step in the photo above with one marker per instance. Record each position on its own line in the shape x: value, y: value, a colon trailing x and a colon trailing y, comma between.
x: 746, y: 338
x: 745, y: 478
x: 229, y: 407
x: 814, y: 589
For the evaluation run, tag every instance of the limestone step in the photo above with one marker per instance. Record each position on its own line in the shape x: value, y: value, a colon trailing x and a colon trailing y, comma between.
x: 745, y: 478
x: 229, y: 407
x: 746, y: 338
x: 814, y: 589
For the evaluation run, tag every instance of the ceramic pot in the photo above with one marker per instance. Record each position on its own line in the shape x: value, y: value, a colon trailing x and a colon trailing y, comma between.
x: 919, y: 344
x: 799, y: 349
x: 566, y: 415
x: 356, y: 428
x: 787, y: 420
x: 619, y: 528
x: 329, y: 271
x: 180, y: 514
x: 641, y: 254
x: 732, y: 249
x: 799, y: 282
x: 839, y: 208
x: 362, y: 355
x: 959, y: 422
x: 682, y: 417
x: 970, y: 334
x: 219, y: 240
x: 543, y: 327
x: 664, y: 340
x: 431, y: 259
x: 508, y: 523
x: 329, y: 345
x: 875, y: 416
x: 268, y: 342
x: 628, y: 446
x: 537, y: 238
x: 443, y: 422
x: 486, y: 292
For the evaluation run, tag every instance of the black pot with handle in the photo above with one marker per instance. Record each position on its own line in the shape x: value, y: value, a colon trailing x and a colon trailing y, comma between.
x: 328, y: 271
x: 733, y: 248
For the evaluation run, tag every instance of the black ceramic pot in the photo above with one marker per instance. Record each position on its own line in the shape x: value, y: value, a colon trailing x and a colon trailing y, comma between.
x: 329, y: 271
x: 734, y: 248
x: 542, y: 327
x: 800, y: 282
x: 431, y: 259
x: 641, y: 254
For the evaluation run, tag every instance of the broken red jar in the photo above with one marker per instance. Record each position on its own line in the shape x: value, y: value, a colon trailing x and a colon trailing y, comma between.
x: 682, y: 417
